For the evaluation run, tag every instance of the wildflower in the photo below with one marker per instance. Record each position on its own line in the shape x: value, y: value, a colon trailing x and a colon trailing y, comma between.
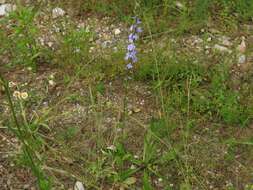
x: 12, y: 84
x: 131, y: 47
x: 129, y: 66
x: 51, y: 76
x: 16, y: 94
x: 24, y: 95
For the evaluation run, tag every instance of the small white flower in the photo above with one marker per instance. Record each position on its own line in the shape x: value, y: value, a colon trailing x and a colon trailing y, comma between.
x: 24, y: 95
x: 12, y: 84
x: 16, y: 94
x: 58, y: 12
x: 51, y: 76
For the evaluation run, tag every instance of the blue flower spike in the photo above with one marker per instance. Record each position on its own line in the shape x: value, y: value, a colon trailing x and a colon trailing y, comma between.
x: 135, y: 30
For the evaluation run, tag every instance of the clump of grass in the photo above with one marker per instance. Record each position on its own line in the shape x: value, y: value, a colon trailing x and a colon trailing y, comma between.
x: 27, y: 134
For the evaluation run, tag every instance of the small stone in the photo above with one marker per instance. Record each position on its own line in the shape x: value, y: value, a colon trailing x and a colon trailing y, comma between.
x: 26, y: 186
x: 79, y: 186
x: 7, y: 8
x: 117, y: 31
x: 50, y: 44
x: 112, y: 147
x: 225, y: 41
x: 136, y: 110
x: 51, y: 83
x: 242, y: 59
x: 242, y: 46
x: 179, y: 5
x: 58, y: 12
x: 209, y: 39
x: 222, y: 48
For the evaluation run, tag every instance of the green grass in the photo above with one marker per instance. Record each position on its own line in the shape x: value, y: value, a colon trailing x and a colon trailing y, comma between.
x: 89, y: 125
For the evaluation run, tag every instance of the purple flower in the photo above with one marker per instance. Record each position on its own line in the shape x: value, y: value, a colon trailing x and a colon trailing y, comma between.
x: 129, y: 66
x: 132, y: 37
x: 131, y: 56
x: 131, y: 48
x: 139, y: 30
x: 137, y: 20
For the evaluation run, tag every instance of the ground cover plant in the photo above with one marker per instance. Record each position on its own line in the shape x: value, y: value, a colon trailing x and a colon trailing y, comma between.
x: 144, y: 94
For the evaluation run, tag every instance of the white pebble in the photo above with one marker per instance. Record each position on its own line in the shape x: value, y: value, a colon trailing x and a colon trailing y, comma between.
x: 7, y: 8
x: 79, y: 186
x: 242, y: 59
x: 57, y: 12
x: 117, y: 31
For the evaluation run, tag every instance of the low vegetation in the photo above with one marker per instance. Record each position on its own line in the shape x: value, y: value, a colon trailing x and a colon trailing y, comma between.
x: 76, y: 112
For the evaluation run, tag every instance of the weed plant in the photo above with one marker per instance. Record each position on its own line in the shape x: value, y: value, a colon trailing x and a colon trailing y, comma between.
x: 27, y: 134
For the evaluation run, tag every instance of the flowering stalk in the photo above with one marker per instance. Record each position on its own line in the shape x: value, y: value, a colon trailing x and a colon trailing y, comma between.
x: 131, y: 47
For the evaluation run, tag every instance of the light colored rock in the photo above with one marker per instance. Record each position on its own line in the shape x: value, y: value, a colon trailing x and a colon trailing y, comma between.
x: 2, y: 1
x: 51, y: 83
x: 79, y: 186
x: 7, y: 8
x: 242, y: 47
x: 117, y: 31
x: 58, y: 12
x: 50, y: 44
x: 222, y: 48
x: 242, y: 59
x: 225, y: 41
x: 179, y: 5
